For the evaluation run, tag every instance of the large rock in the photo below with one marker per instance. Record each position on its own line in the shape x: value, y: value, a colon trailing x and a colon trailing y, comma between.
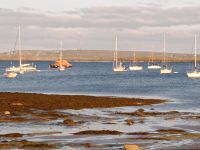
x: 7, y: 113
x: 129, y: 122
x: 69, y: 122
x: 131, y: 147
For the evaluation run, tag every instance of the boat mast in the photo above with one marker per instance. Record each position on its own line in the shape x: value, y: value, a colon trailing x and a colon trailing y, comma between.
x: 152, y: 53
x: 114, y: 58
x: 116, y: 48
x: 60, y: 54
x: 195, y: 51
x: 164, y: 49
x: 152, y: 57
x: 134, y: 56
x: 19, y: 46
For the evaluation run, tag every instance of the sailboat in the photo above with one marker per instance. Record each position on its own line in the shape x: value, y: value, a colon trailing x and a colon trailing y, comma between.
x: 152, y: 64
x: 117, y: 66
x: 22, y: 67
x: 165, y: 68
x: 134, y: 66
x: 61, y: 67
x: 195, y: 73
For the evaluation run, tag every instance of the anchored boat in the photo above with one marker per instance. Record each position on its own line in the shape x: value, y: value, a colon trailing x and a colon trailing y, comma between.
x: 195, y: 73
x: 22, y: 67
x: 165, y: 68
x: 61, y: 64
x: 152, y: 64
x: 134, y: 66
x: 117, y: 66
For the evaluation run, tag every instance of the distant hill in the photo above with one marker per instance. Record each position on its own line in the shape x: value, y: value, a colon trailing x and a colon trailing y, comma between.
x: 93, y: 55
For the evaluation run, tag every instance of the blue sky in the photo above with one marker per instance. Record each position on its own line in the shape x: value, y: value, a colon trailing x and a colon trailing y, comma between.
x: 93, y: 24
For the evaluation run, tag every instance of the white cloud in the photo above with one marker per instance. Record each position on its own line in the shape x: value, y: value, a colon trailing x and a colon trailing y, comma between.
x: 137, y: 26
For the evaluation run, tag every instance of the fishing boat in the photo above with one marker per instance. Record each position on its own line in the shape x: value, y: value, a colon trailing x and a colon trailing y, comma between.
x: 152, y: 64
x: 64, y: 63
x: 195, y: 73
x: 22, y: 67
x: 61, y: 67
x: 10, y: 74
x: 61, y: 64
x: 165, y: 68
x: 117, y: 66
x: 134, y: 66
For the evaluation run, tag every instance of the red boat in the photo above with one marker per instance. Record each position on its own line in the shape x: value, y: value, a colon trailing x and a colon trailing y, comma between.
x: 64, y: 63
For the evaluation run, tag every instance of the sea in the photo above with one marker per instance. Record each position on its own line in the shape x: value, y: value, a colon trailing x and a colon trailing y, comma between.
x: 98, y: 79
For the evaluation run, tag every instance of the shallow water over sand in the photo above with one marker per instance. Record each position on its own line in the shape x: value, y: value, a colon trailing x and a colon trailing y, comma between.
x: 144, y: 127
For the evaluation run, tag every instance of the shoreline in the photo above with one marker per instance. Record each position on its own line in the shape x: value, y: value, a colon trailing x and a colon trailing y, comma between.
x: 102, y: 95
x: 97, y: 61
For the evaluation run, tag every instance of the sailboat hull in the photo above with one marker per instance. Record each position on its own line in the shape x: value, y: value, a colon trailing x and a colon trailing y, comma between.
x: 154, y: 67
x: 165, y: 71
x: 119, y: 69
x: 23, y: 68
x: 135, y: 68
x: 194, y: 74
x: 61, y: 68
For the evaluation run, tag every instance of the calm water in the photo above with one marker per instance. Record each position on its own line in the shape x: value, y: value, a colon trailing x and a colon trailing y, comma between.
x: 91, y: 78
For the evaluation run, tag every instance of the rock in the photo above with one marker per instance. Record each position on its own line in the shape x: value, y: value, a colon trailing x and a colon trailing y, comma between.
x: 12, y: 135
x: 17, y: 104
x: 131, y: 147
x: 129, y: 122
x: 69, y: 122
x: 141, y: 120
x: 7, y: 113
x: 87, y: 145
x: 98, y: 132
x: 140, y: 110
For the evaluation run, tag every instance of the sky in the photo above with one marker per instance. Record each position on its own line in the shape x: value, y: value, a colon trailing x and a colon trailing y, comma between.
x: 93, y: 24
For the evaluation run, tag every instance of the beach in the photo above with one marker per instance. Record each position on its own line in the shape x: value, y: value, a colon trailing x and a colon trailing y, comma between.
x: 42, y: 121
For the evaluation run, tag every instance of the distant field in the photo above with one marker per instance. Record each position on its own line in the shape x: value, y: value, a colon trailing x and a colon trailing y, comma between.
x: 94, y: 55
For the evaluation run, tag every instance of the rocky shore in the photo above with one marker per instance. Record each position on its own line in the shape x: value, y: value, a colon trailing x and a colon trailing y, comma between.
x: 39, y: 121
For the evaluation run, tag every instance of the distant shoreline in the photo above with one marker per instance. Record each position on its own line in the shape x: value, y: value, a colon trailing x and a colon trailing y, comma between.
x: 140, y: 61
x: 95, y: 56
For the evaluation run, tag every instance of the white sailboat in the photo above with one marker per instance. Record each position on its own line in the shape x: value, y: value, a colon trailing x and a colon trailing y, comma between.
x: 152, y: 64
x: 22, y: 67
x: 61, y: 67
x: 165, y: 68
x: 117, y: 66
x: 134, y: 66
x: 195, y: 73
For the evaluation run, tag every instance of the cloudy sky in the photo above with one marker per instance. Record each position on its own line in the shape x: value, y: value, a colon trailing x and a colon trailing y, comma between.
x: 93, y: 24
